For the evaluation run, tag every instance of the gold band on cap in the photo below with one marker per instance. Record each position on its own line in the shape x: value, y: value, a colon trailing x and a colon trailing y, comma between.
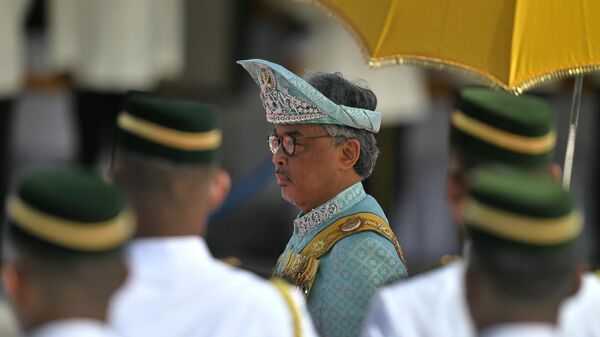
x: 182, y: 140
x: 96, y: 236
x: 502, y: 138
x: 522, y: 228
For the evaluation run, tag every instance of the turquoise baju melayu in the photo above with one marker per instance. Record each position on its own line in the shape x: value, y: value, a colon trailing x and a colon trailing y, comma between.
x: 351, y: 271
x: 343, y: 250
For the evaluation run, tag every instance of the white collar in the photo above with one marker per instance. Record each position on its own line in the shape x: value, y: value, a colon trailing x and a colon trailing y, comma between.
x: 147, y: 255
x: 76, y: 327
x: 521, y: 329
x: 341, y: 202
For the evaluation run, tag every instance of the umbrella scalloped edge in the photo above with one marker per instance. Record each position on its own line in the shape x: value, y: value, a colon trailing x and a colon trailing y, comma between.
x: 448, y: 65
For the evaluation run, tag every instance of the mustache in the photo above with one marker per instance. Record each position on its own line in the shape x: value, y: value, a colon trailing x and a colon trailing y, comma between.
x: 282, y: 172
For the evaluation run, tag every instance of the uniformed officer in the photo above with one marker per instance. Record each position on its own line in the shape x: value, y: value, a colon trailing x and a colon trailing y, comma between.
x: 486, y: 127
x: 166, y: 160
x: 525, y: 258
x: 323, y: 146
x: 62, y: 252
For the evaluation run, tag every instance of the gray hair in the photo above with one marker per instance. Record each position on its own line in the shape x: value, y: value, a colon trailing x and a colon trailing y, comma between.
x: 368, y: 146
x: 353, y: 94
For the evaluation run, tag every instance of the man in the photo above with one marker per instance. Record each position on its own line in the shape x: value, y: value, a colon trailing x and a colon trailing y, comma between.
x: 486, y: 127
x: 12, y: 74
x: 62, y: 253
x: 166, y: 161
x: 525, y: 259
x: 323, y: 146
x: 109, y: 47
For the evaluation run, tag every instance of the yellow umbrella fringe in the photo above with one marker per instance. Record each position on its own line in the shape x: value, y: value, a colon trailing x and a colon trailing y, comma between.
x: 449, y: 66
x: 468, y: 71
x: 339, y: 19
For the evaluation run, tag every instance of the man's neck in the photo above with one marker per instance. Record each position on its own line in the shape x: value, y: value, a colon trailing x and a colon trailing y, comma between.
x: 171, y: 220
x: 521, y: 313
x: 67, y: 310
x: 339, y: 188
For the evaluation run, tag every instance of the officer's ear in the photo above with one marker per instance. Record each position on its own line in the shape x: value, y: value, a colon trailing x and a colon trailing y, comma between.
x: 456, y: 190
x: 580, y: 269
x: 219, y: 189
x: 123, y: 273
x: 555, y: 172
x: 13, y: 282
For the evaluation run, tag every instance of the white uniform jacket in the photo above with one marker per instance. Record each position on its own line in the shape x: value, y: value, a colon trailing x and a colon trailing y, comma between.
x: 430, y: 304
x: 73, y: 328
x: 433, y: 305
x: 520, y: 330
x: 177, y: 289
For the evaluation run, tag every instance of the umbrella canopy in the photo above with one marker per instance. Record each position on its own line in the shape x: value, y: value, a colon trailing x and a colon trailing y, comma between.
x: 509, y: 43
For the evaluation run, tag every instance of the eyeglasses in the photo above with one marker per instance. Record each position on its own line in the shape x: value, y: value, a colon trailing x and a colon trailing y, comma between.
x: 288, y: 142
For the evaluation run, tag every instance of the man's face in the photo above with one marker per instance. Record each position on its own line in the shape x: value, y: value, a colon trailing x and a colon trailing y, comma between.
x: 309, y: 177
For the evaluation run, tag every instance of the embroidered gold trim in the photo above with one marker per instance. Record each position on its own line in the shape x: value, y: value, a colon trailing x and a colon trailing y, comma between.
x: 289, y: 300
x: 300, y: 270
x: 72, y: 234
x: 522, y: 228
x: 502, y: 138
x: 182, y: 140
x: 325, y: 240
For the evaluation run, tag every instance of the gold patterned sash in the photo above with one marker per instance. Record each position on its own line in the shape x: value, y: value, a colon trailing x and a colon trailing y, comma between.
x: 301, y: 269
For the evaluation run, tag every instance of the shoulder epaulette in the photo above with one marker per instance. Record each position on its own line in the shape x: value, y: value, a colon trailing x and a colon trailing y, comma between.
x: 349, y: 225
x: 301, y: 269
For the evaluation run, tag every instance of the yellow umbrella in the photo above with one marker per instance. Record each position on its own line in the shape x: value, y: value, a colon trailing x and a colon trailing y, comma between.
x: 511, y: 44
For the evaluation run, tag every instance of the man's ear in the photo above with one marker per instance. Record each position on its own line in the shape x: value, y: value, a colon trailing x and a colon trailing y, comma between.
x: 580, y: 269
x: 12, y: 281
x: 350, y: 153
x: 555, y: 172
x: 219, y: 189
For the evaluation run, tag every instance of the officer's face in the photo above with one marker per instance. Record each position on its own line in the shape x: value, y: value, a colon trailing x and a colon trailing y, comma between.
x: 308, y: 176
x: 456, y: 191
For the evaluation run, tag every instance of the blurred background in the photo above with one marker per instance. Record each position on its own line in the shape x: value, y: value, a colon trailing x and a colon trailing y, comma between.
x: 65, y: 66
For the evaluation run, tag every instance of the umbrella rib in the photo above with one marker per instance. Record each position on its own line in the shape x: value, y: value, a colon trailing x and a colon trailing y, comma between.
x: 386, y: 27
x: 585, y: 20
x: 512, y: 51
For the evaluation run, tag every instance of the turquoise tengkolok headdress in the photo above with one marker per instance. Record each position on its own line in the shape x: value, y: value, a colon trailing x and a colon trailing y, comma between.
x: 288, y: 99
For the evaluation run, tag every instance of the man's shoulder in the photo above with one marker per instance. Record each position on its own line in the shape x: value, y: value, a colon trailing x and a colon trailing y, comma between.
x: 430, y: 304
x: 433, y: 286
x: 367, y: 204
x: 213, y: 277
x: 578, y: 313
x: 223, y: 295
x: 366, y: 244
x: 234, y: 278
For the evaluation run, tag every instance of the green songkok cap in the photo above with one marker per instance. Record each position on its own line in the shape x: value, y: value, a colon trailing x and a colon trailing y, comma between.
x: 288, y: 99
x: 501, y: 127
x: 71, y: 209
x: 520, y: 208
x: 176, y: 130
